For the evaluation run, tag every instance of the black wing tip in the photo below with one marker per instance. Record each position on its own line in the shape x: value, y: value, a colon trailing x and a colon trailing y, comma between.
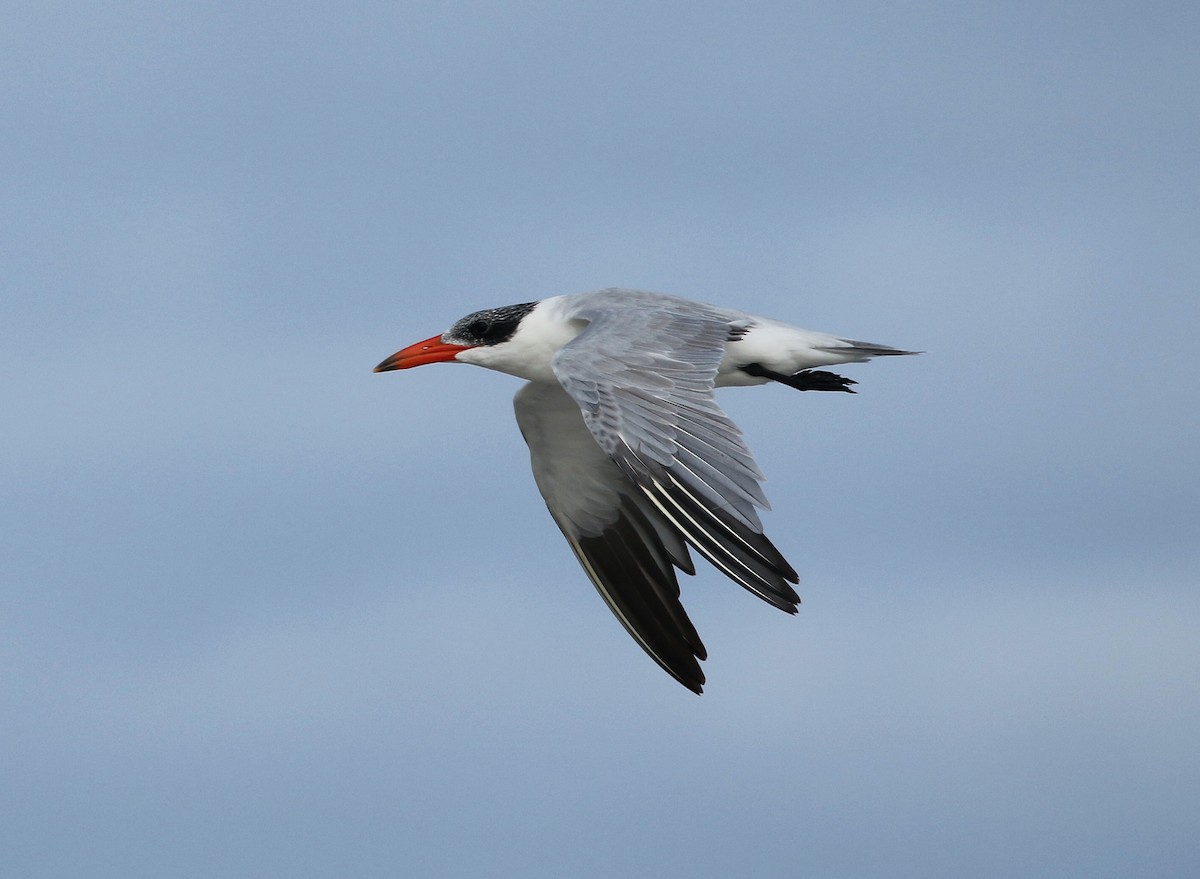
x: 686, y: 671
x: 693, y: 681
x: 635, y: 576
x: 787, y: 605
x: 745, y: 555
x: 686, y: 668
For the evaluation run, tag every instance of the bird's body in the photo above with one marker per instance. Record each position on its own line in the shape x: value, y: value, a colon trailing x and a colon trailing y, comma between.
x: 552, y: 323
x: 635, y: 460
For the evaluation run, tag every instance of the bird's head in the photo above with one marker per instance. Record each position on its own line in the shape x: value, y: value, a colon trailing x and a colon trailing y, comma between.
x: 489, y: 328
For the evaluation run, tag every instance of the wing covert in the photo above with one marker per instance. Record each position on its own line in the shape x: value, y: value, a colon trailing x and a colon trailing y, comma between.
x: 643, y: 379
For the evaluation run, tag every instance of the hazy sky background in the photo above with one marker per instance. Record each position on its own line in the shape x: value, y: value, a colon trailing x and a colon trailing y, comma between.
x: 264, y: 613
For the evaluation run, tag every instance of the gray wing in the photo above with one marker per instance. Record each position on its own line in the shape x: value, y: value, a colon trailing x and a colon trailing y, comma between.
x: 643, y: 378
x: 628, y: 549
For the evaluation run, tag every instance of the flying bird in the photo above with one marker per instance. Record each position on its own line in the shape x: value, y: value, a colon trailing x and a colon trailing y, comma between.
x: 632, y: 454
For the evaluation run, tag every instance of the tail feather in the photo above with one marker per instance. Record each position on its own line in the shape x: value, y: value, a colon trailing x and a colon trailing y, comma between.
x: 864, y: 349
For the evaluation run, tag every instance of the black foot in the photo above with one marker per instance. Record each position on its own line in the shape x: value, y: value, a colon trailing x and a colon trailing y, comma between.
x: 805, y: 380
x: 819, y: 380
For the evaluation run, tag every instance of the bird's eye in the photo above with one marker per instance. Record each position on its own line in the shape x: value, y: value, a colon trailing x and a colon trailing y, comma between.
x: 479, y: 328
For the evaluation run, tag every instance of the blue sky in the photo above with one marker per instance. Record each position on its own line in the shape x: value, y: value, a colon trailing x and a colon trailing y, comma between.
x: 266, y: 613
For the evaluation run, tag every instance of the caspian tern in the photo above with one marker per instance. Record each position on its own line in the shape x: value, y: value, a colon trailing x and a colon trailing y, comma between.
x: 635, y: 460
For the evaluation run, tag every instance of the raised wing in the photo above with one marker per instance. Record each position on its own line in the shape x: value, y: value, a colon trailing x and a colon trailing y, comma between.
x: 628, y: 549
x: 643, y: 379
